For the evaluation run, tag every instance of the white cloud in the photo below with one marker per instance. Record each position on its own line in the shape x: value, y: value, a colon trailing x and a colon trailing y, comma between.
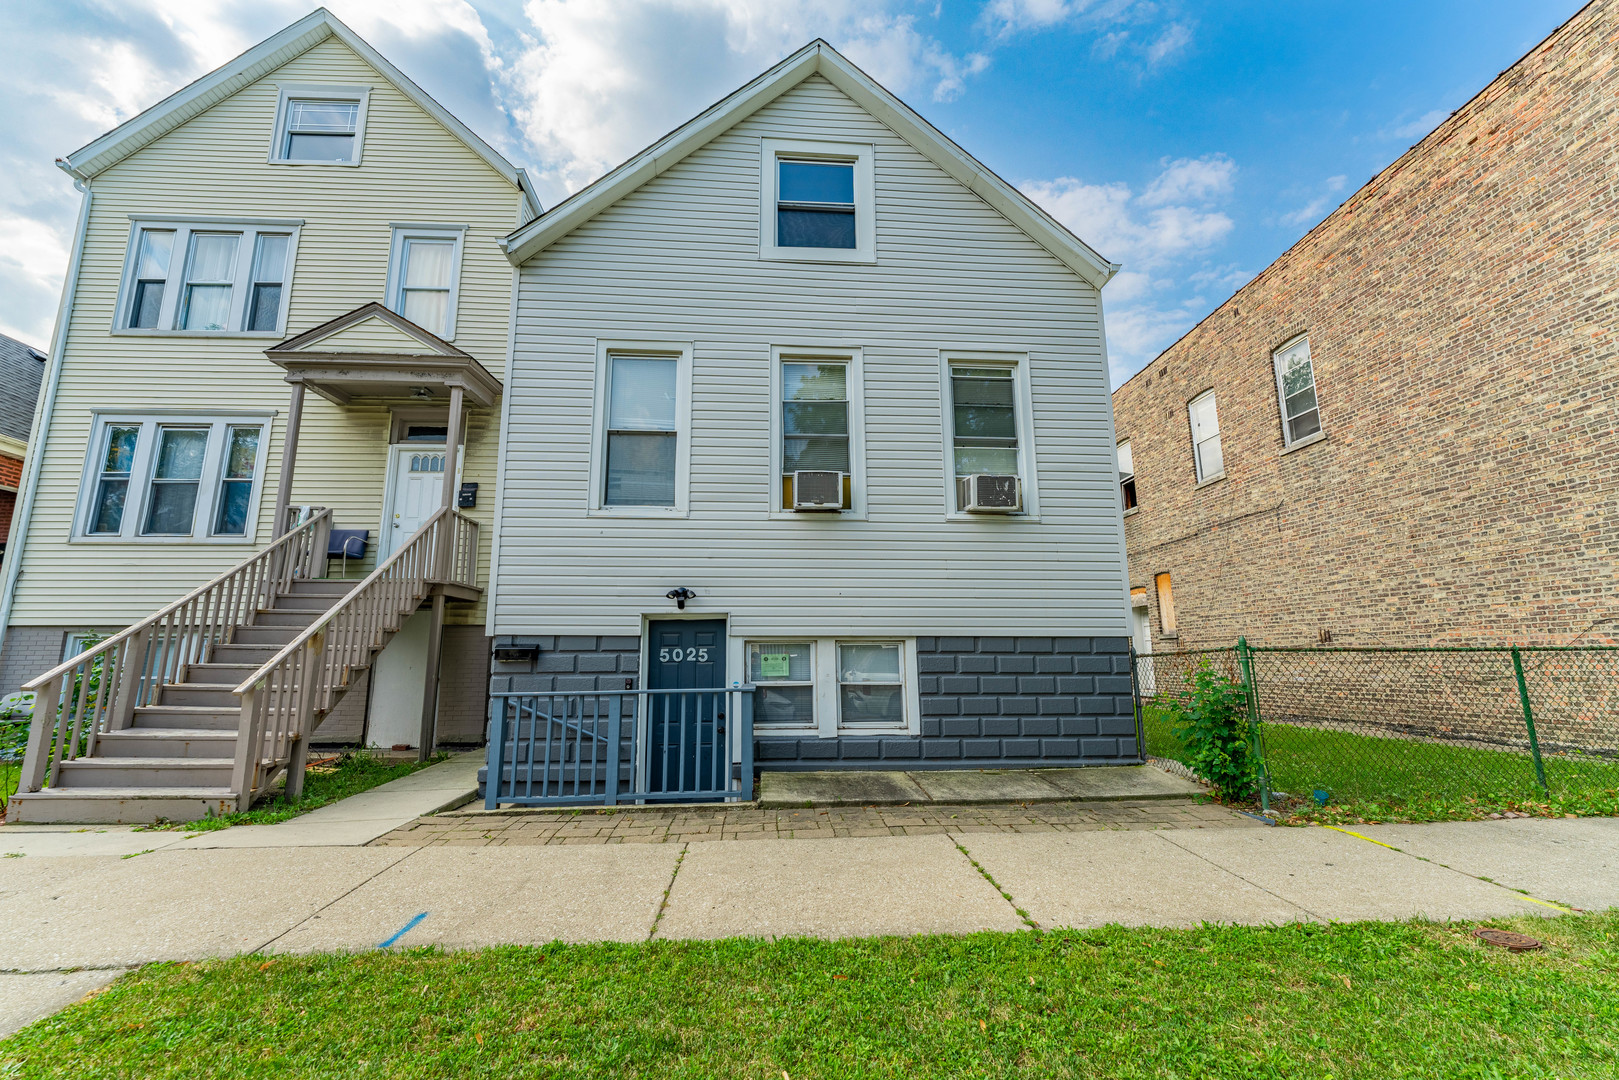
x: 1415, y: 129
x: 1175, y: 38
x: 1311, y: 212
x: 1175, y: 220
x: 1123, y: 27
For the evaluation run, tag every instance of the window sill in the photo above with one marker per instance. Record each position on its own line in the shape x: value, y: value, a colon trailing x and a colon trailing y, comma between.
x: 1133, y: 511
x: 1210, y: 482
x: 812, y: 515
x: 1308, y: 440
x: 1171, y: 636
x: 957, y: 515
x: 189, y: 541
x: 252, y: 335
x: 643, y: 512
x: 296, y: 161
x: 818, y: 255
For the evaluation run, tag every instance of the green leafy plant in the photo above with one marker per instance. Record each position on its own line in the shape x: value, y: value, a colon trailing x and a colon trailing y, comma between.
x: 1212, y: 724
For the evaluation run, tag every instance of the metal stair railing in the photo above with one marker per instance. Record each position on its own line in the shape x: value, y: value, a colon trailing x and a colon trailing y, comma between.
x: 283, y: 698
x: 98, y: 690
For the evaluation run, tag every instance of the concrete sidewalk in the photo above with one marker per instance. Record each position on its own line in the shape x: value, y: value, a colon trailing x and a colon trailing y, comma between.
x: 73, y: 903
x: 965, y: 787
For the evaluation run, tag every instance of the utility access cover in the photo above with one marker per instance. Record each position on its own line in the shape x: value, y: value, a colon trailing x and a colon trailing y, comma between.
x: 1507, y: 939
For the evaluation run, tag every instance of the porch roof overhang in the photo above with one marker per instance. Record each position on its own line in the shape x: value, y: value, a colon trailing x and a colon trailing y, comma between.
x: 374, y: 352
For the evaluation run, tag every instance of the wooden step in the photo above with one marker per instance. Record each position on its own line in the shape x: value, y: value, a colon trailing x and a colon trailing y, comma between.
x: 188, y: 717
x: 156, y: 742
x: 254, y: 655
x: 229, y: 674
x: 130, y: 806
x: 308, y: 601
x: 279, y: 616
x: 133, y: 772
x: 212, y: 694
x: 264, y: 635
x: 322, y: 587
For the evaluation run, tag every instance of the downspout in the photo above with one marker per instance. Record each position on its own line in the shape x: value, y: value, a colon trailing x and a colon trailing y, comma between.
x: 18, y: 547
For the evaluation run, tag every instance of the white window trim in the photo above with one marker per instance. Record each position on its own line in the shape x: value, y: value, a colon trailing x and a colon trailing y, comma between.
x: 825, y: 668
x: 681, y: 351
x: 174, y: 285
x: 396, y: 266
x: 856, y: 389
x: 359, y: 95
x: 140, y: 476
x: 1191, y: 430
x: 1019, y: 364
x: 865, y: 199
x: 1281, y: 393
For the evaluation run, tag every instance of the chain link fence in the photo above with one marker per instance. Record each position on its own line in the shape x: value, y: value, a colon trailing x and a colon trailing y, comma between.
x: 1396, y: 726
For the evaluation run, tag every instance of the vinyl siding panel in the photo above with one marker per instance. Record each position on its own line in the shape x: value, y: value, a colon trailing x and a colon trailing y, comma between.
x: 678, y: 260
x: 412, y: 170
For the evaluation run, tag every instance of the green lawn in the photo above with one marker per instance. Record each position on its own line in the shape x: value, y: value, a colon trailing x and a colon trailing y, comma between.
x: 1372, y: 778
x: 1380, y: 1001
x: 350, y: 774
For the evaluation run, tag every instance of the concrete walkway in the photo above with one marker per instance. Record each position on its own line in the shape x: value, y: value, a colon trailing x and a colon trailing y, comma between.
x: 72, y: 901
x: 965, y: 787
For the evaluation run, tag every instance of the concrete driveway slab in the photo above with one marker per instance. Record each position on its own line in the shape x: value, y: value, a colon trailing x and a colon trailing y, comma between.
x: 474, y: 897
x: 1341, y: 878
x: 1120, y: 782
x: 55, y: 840
x: 171, y: 905
x: 847, y: 887
x: 26, y: 998
x: 986, y: 785
x: 1569, y: 862
x: 1131, y: 878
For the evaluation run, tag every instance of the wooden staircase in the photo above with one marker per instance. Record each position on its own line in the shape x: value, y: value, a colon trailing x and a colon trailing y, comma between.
x: 175, y: 760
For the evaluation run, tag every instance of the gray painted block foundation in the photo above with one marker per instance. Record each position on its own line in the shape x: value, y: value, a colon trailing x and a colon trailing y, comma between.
x: 986, y: 702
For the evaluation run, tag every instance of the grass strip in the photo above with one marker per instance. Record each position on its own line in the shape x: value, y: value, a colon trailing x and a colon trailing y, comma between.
x: 350, y: 774
x: 1373, y: 1000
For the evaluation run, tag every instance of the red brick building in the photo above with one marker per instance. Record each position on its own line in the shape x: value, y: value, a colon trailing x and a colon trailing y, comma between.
x: 21, y: 369
x: 1406, y: 429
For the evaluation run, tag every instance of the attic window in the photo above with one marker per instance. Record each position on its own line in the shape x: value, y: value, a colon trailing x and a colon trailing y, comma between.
x: 319, y: 125
x: 816, y: 201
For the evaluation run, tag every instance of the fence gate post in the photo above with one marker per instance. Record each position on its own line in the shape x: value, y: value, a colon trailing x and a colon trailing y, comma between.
x: 1135, y: 697
x: 1245, y: 661
x: 1529, y: 721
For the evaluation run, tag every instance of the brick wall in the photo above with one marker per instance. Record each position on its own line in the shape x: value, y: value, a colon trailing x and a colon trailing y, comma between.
x: 33, y: 650
x: 10, y: 471
x: 1460, y: 311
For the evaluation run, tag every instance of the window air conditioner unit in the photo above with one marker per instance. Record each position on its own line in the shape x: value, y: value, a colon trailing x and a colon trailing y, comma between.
x: 818, y: 490
x: 988, y: 493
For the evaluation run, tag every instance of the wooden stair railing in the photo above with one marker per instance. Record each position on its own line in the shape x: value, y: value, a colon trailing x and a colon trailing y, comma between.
x: 284, y: 698
x: 98, y: 690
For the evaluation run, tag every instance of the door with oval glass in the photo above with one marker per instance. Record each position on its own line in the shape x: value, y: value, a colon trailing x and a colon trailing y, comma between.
x: 415, y: 492
x: 684, y: 730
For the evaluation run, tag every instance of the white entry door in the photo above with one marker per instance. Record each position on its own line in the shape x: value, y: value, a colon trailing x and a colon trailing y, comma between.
x: 418, y: 482
x: 1143, y: 642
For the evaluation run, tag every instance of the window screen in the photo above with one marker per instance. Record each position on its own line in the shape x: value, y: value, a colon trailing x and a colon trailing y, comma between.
x: 815, y: 204
x: 784, y: 674
x: 985, y: 415
x: 641, y: 434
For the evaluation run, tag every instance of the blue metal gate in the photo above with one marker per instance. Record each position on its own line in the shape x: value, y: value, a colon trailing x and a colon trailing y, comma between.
x: 601, y: 749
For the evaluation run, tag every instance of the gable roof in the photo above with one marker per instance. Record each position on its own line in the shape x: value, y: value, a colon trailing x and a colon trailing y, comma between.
x: 21, y: 370
x: 271, y: 53
x: 816, y: 58
x: 391, y: 333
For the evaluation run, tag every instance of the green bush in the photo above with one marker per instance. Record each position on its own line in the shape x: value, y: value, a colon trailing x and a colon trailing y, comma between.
x: 1212, y: 723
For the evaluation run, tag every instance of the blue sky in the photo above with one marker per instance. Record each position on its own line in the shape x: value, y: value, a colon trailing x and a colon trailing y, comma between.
x: 1192, y: 142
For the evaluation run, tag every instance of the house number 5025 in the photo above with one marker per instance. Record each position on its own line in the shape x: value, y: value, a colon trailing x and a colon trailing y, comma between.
x: 675, y: 656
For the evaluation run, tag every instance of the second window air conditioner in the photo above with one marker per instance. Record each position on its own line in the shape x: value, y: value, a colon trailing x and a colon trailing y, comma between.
x: 818, y: 490
x: 989, y: 493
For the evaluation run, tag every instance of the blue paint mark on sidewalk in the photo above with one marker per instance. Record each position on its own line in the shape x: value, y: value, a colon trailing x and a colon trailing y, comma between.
x: 403, y: 930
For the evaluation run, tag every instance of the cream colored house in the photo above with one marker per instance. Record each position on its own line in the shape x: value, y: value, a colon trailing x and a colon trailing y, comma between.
x: 287, y: 300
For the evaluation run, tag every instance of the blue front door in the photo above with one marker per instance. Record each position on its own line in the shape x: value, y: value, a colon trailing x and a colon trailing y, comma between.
x: 684, y: 730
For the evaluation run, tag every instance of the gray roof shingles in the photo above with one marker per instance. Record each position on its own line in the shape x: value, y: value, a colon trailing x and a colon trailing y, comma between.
x: 21, y: 370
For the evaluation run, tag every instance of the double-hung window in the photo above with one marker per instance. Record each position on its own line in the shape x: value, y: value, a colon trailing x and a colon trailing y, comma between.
x: 319, y: 125
x: 830, y: 686
x: 816, y: 201
x: 208, y: 276
x: 424, y: 275
x: 818, y: 427
x: 181, y: 477
x: 1295, y: 384
x: 641, y: 450
x: 1205, y: 420
x: 987, y: 432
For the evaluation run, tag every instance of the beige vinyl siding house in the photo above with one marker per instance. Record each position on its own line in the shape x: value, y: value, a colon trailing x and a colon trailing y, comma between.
x: 947, y: 282
x: 207, y: 162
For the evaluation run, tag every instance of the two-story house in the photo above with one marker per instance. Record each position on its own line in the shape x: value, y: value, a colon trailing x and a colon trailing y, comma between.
x: 1405, y: 430
x: 805, y: 399
x: 287, y: 309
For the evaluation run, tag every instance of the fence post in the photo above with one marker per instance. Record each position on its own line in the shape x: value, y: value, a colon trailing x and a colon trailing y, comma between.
x: 615, y: 726
x: 1529, y: 721
x: 1245, y: 661
x: 1135, y: 698
x: 497, y: 742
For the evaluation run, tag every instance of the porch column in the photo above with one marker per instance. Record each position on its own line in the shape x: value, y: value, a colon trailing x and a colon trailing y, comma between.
x: 452, y: 446
x: 435, y: 645
x: 289, y: 455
